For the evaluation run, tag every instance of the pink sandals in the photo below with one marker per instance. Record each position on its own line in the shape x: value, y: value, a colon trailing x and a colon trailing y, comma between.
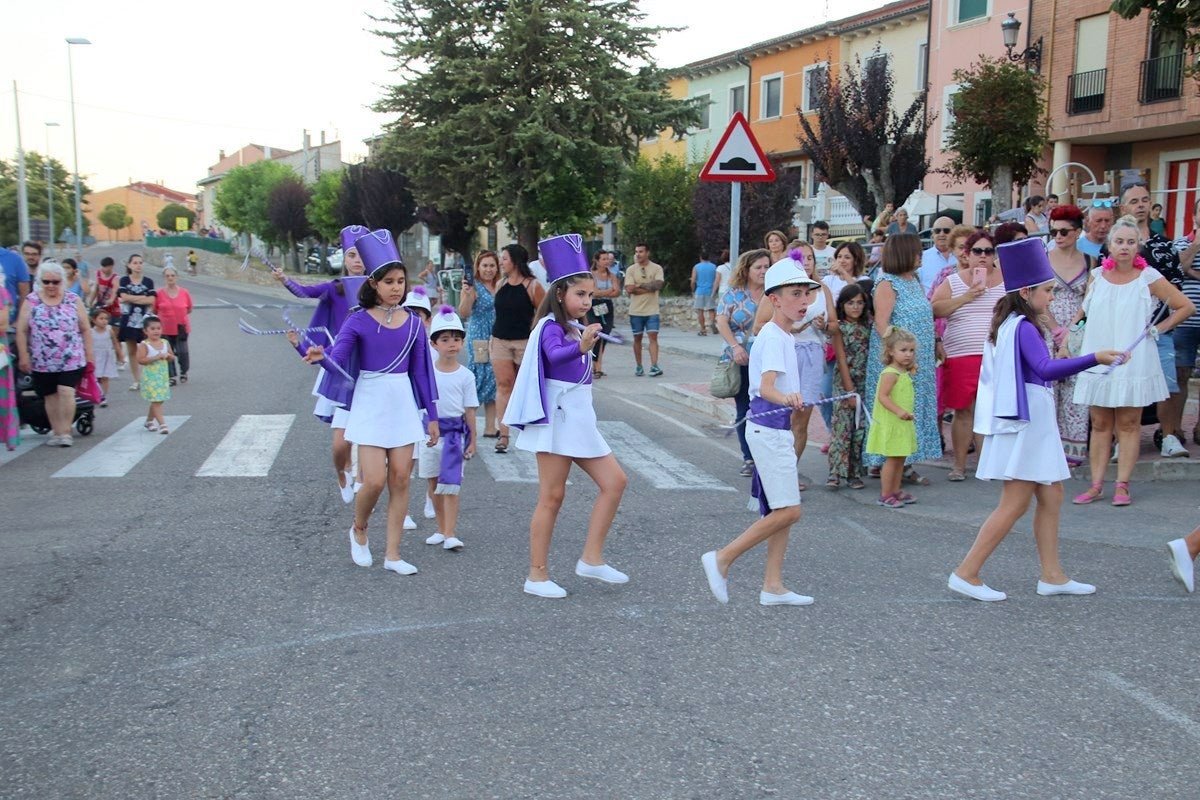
x: 1094, y: 492
x: 1121, y: 494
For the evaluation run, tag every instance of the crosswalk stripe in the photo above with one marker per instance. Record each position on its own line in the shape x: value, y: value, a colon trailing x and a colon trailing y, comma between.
x: 663, y: 470
x: 29, y: 440
x: 120, y: 452
x: 249, y: 448
x: 515, y: 466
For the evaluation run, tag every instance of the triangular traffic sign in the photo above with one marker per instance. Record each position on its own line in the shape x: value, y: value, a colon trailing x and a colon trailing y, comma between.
x: 738, y: 156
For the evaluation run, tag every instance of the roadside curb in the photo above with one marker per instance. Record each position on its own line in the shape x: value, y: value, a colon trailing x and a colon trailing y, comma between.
x: 719, y: 409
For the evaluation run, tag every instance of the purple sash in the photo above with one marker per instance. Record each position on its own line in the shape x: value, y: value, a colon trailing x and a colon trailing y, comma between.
x: 455, y: 438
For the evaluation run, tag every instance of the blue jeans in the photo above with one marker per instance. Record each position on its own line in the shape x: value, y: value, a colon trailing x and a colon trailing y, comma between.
x: 1166, y: 357
x: 827, y: 391
x: 741, y: 402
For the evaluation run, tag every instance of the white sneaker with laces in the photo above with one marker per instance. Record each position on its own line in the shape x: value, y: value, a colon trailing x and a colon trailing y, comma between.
x: 1173, y: 448
x: 436, y: 538
x: 430, y: 513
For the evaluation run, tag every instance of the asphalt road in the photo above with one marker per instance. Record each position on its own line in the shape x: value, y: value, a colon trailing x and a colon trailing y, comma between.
x: 168, y: 634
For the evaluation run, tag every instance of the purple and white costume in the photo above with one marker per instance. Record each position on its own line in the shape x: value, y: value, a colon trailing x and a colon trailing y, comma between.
x: 334, y: 300
x: 1015, y: 409
x: 551, y: 402
x: 394, y: 380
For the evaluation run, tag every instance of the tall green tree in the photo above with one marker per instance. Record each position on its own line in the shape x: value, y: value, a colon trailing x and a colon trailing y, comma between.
x: 322, y: 209
x: 115, y: 217
x: 62, y: 183
x: 170, y: 212
x: 525, y: 110
x: 654, y: 200
x: 286, y: 213
x: 1000, y: 128
x: 377, y: 197
x: 859, y: 145
x: 1175, y: 15
x: 241, y: 202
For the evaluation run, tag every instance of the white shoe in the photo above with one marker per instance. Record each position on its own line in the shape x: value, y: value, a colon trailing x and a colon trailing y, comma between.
x: 544, y: 589
x: 717, y: 584
x: 347, y: 490
x: 1113, y: 460
x: 452, y: 543
x: 66, y: 441
x: 785, y: 599
x: 1181, y: 564
x: 603, y: 572
x: 401, y: 566
x: 436, y: 538
x: 430, y: 513
x: 1173, y: 448
x: 981, y: 592
x: 361, y: 553
x: 1070, y: 587
x: 53, y: 440
x: 410, y: 524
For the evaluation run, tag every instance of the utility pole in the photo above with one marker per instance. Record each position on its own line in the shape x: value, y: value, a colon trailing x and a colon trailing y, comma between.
x: 22, y: 189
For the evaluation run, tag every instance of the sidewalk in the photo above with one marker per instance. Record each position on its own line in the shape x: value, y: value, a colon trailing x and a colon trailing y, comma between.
x: 1150, y: 466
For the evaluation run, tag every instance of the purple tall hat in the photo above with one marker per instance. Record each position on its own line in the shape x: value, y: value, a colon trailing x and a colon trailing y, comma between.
x: 378, y: 251
x: 351, y: 234
x: 563, y: 256
x: 1024, y: 263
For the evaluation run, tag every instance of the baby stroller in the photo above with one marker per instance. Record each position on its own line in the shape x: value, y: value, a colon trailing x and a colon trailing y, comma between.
x: 32, y: 409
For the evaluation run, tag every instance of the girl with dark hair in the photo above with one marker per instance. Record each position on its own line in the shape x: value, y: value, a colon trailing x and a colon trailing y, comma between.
x: 516, y: 300
x: 334, y: 299
x: 552, y: 406
x: 1035, y: 214
x: 847, y: 437
x: 1015, y: 413
x: 387, y: 352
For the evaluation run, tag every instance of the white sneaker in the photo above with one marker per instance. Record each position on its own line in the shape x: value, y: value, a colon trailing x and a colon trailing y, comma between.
x: 1173, y: 448
x: 436, y: 538
x: 1113, y: 460
x: 347, y: 490
x: 360, y: 553
x: 785, y: 599
x: 453, y: 543
x: 430, y: 513
x: 602, y: 572
x: 981, y: 592
x: 1181, y: 564
x: 401, y: 566
x: 544, y: 589
x: 410, y: 524
x: 1070, y: 587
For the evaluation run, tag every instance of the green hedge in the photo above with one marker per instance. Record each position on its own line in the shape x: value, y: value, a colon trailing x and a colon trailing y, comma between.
x: 191, y: 242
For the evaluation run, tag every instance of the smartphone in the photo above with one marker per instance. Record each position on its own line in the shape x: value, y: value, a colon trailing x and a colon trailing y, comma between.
x: 980, y: 277
x: 469, y: 274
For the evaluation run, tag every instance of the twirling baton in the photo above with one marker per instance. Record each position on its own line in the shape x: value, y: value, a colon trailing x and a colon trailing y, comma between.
x: 1119, y: 360
x: 605, y: 336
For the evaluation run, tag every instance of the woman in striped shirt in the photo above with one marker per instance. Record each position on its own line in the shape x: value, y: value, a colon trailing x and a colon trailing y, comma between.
x: 966, y: 300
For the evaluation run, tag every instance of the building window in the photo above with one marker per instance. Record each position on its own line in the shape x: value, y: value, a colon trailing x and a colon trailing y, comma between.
x: 948, y: 95
x: 704, y: 106
x: 1162, y: 72
x: 737, y: 99
x: 771, y: 101
x: 967, y: 10
x: 922, y: 65
x: 814, y: 86
x: 1086, y: 85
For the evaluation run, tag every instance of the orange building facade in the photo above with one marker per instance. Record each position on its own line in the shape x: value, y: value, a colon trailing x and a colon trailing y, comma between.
x: 142, y: 201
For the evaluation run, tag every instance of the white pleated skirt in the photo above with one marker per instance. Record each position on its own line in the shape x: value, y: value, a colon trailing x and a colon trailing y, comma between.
x: 384, y: 413
x: 1034, y: 453
x: 571, y: 430
x: 324, y: 406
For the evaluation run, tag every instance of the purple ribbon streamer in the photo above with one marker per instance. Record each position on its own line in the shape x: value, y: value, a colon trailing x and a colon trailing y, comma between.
x: 1121, y: 358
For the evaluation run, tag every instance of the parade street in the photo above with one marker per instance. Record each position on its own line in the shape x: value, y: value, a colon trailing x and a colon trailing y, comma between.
x: 181, y: 618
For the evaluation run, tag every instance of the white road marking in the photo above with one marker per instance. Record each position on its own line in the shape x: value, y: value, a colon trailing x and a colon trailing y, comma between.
x: 861, y: 529
x: 668, y: 418
x: 238, y: 307
x: 119, y: 453
x: 515, y: 466
x: 662, y: 469
x: 1164, y: 710
x: 29, y: 440
x: 249, y: 448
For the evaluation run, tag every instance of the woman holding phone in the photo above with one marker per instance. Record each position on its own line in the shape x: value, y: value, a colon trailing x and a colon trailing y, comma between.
x: 966, y: 300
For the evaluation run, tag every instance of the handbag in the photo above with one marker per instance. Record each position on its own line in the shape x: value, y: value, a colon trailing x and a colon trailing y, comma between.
x: 726, y: 380
x: 89, y: 387
x: 479, y: 352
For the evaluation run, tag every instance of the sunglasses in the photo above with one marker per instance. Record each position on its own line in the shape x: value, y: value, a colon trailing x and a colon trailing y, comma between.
x: 941, y: 230
x: 1102, y: 204
x: 51, y: 283
x: 983, y: 251
x: 1056, y: 232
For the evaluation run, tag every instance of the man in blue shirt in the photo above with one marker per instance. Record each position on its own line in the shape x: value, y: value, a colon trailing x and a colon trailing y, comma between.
x: 704, y: 290
x: 1097, y: 222
x: 16, y: 280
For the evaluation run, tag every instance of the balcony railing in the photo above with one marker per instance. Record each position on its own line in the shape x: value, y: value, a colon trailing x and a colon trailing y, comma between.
x: 1162, y: 78
x: 1085, y: 91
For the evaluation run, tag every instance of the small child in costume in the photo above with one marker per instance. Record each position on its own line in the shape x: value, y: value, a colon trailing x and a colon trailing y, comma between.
x: 442, y: 465
x: 893, y: 433
x: 774, y: 393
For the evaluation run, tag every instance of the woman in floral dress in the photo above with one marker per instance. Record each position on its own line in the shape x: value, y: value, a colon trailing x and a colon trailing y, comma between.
x: 477, y: 307
x: 1071, y: 277
x: 849, y: 432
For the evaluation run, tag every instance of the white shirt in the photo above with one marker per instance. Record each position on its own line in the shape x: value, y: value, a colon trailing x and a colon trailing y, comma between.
x: 723, y: 273
x: 456, y: 391
x: 835, y: 284
x: 774, y: 351
x: 932, y: 264
x: 824, y: 258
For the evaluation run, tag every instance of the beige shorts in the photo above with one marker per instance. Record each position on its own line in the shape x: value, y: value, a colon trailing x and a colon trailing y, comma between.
x: 507, y: 349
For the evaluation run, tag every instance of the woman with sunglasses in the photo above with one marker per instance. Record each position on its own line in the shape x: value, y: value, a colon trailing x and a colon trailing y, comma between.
x: 1072, y: 277
x: 966, y: 300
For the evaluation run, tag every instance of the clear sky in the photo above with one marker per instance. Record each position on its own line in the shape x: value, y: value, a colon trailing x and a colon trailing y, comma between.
x: 161, y: 90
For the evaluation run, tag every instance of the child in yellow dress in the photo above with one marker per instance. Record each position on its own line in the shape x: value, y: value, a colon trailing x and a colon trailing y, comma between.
x: 893, y: 433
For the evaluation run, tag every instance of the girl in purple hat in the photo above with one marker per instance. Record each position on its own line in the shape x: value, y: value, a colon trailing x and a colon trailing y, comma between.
x: 1015, y: 412
x: 551, y: 404
x: 334, y: 300
x: 387, y: 351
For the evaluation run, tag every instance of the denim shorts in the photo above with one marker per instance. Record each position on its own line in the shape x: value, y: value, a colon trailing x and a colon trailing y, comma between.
x: 643, y: 324
x: 1187, y: 342
x: 1166, y: 357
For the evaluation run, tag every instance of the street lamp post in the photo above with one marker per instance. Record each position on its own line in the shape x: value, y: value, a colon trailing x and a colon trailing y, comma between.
x: 75, y: 149
x: 1031, y: 55
x: 50, y: 185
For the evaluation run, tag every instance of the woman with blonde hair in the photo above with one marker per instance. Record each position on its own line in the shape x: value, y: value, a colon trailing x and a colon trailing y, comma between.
x: 736, y: 311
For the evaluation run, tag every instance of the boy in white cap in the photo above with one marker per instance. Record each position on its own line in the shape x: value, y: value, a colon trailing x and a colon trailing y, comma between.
x: 442, y: 464
x: 774, y: 391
